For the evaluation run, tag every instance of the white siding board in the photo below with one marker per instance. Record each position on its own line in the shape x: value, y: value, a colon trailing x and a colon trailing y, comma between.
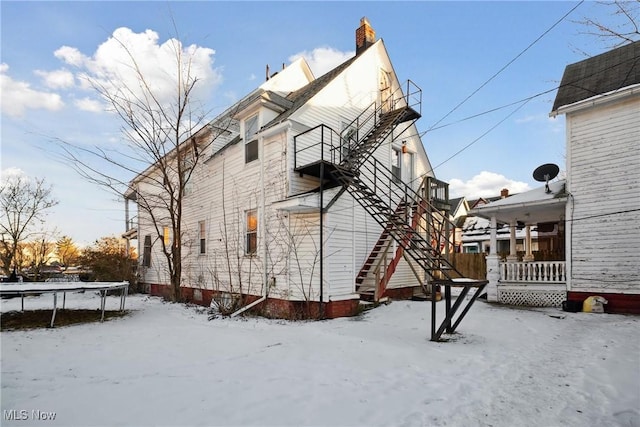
x: 340, y: 248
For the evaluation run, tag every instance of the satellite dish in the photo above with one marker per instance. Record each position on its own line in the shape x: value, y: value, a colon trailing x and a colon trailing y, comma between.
x: 544, y: 173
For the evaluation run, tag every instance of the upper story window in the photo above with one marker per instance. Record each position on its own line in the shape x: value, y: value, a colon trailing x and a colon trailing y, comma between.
x: 396, y: 165
x: 250, y: 141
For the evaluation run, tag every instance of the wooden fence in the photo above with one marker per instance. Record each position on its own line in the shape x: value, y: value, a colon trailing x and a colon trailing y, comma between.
x: 473, y: 266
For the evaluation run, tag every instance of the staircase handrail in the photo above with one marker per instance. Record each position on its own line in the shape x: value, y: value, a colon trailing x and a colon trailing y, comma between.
x: 362, y: 124
x: 380, y: 180
x: 327, y: 137
x: 412, y: 98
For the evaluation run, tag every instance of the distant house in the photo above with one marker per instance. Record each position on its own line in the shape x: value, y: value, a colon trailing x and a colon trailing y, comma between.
x: 476, y: 235
x: 591, y: 219
x: 318, y: 194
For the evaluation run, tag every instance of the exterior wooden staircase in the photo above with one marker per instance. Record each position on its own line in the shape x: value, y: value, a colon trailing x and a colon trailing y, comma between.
x: 416, y: 221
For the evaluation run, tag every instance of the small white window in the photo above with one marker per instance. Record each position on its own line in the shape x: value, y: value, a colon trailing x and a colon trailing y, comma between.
x: 250, y: 143
x: 396, y: 165
x: 202, y: 233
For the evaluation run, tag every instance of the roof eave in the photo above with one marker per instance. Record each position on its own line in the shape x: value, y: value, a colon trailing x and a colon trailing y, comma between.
x: 597, y: 100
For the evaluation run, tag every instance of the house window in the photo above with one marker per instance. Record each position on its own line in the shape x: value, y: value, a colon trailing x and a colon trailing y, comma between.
x: 146, y: 253
x: 202, y: 233
x: 396, y: 165
x: 165, y: 235
x: 250, y: 143
x: 252, y: 232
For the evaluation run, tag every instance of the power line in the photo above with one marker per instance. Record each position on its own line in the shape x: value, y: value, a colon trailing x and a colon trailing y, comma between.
x: 531, y: 97
x: 506, y: 66
x: 481, y: 136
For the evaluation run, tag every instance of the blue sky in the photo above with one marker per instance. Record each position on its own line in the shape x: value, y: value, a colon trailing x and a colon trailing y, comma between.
x: 449, y: 49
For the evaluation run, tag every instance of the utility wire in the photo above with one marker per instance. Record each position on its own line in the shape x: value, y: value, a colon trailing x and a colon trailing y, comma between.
x: 481, y: 136
x: 575, y: 83
x: 506, y: 66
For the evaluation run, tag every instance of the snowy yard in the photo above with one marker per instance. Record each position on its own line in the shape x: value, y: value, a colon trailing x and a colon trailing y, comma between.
x: 166, y: 364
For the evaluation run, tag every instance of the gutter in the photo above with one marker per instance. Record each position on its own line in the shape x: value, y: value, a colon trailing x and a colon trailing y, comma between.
x: 597, y: 100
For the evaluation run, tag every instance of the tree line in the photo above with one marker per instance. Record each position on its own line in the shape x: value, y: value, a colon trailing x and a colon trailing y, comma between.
x: 28, y: 250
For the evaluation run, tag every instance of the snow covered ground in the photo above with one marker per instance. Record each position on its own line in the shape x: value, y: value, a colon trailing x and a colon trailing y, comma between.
x: 166, y: 364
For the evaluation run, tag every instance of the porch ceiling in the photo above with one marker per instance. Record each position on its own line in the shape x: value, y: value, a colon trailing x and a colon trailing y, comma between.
x: 530, y: 207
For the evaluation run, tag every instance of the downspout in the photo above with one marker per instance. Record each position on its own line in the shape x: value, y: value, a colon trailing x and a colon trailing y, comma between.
x: 322, y: 223
x: 265, y: 279
x: 247, y: 307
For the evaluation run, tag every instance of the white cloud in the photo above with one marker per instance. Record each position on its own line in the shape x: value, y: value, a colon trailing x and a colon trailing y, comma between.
x: 119, y: 61
x: 58, y: 79
x: 485, y: 184
x: 91, y: 105
x: 323, y: 59
x: 18, y: 96
x: 11, y: 173
x: 70, y: 55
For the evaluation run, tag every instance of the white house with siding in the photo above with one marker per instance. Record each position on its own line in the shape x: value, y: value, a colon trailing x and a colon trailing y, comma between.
x: 600, y: 98
x: 596, y: 209
x: 269, y: 219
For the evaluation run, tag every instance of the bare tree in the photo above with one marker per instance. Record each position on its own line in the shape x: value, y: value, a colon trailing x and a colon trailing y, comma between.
x: 24, y: 203
x: 165, y: 138
x: 622, y: 27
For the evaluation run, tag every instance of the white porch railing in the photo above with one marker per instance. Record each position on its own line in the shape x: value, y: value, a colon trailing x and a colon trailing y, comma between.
x: 533, y: 272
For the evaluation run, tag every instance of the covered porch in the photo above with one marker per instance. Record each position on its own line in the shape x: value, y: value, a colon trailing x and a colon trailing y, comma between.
x: 529, y: 276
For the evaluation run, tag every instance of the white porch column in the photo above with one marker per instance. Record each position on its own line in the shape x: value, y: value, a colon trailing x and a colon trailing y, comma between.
x: 493, y: 264
x: 529, y: 254
x: 513, y: 253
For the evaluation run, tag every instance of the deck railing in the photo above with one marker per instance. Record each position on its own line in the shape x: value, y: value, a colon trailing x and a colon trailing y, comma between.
x: 533, y: 272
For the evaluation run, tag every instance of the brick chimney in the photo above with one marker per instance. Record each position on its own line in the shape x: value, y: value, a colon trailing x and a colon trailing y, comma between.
x: 504, y: 193
x: 365, y: 36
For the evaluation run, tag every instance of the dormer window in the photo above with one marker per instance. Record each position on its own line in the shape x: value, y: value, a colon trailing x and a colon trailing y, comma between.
x: 250, y: 140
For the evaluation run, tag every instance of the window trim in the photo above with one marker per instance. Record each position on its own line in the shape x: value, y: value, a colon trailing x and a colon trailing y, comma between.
x: 397, y: 178
x: 166, y: 235
x: 146, y: 251
x: 202, y: 238
x: 251, y: 235
x: 251, y: 152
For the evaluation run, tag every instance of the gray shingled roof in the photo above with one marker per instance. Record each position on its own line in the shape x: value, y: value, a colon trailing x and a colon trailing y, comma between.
x: 600, y: 74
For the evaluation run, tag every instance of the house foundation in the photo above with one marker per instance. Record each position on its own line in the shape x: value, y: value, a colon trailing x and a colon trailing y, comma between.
x: 272, y: 307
